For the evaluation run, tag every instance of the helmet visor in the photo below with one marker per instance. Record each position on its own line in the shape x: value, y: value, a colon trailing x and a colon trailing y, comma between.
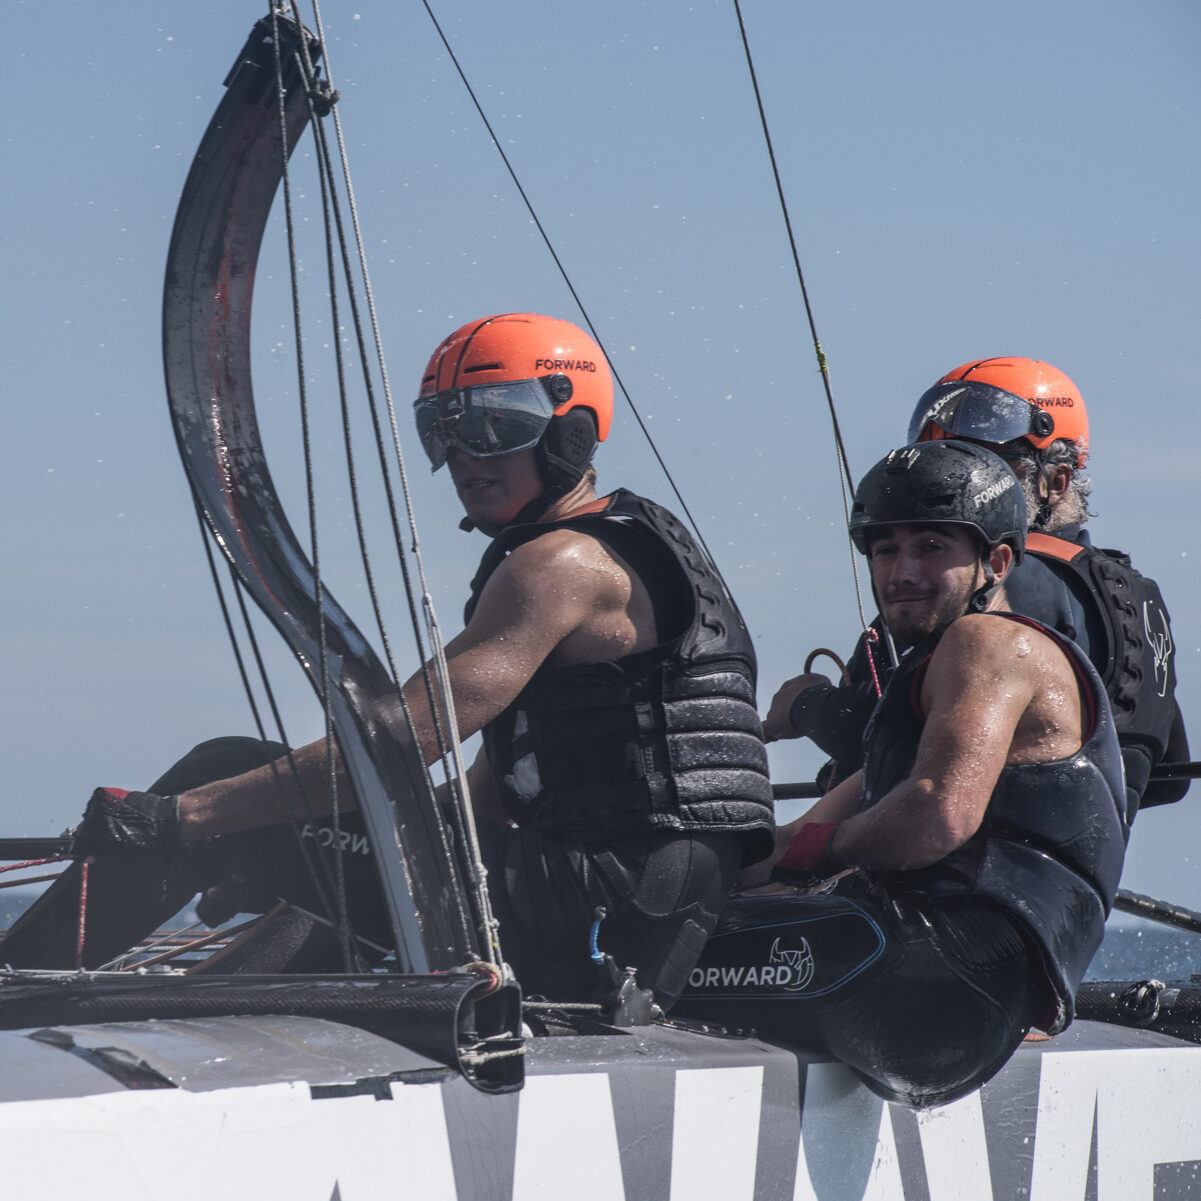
x: 494, y: 419
x: 969, y: 409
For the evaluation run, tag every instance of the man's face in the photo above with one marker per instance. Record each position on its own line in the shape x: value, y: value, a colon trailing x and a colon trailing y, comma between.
x: 494, y: 489
x: 924, y: 576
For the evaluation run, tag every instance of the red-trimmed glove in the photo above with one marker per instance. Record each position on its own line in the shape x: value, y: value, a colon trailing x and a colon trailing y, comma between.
x: 808, y: 858
x: 117, y: 822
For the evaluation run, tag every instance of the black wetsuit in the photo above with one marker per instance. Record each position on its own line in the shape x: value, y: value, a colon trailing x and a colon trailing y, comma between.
x: 637, y: 786
x: 1091, y: 596
x: 925, y: 981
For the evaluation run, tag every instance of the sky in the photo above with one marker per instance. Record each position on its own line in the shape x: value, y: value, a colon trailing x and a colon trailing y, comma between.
x: 963, y: 181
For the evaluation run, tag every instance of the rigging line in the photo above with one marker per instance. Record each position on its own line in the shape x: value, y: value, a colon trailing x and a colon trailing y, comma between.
x: 567, y: 280
x: 445, y: 722
x: 314, y: 856
x: 431, y: 621
x: 845, y: 479
x: 381, y: 361
x: 823, y: 366
x: 228, y: 620
x: 321, y: 97
x: 327, y: 174
x: 332, y: 208
x: 312, y: 852
x: 306, y: 440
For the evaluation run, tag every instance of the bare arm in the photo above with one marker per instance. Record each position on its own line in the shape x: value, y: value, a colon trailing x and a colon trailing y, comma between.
x: 837, y: 805
x: 982, y: 681
x: 541, y: 596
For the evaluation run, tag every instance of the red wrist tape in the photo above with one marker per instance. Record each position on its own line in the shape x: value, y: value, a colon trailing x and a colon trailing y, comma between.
x: 809, y: 851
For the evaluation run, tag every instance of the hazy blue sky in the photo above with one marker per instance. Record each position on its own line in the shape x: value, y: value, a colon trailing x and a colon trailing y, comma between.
x: 964, y: 180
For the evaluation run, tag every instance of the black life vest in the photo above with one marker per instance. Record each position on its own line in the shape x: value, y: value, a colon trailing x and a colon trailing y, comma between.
x: 1050, y: 848
x: 1134, y: 654
x: 664, y: 739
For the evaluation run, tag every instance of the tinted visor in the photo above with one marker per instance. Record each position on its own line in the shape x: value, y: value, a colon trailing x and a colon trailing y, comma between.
x: 494, y: 419
x: 968, y: 409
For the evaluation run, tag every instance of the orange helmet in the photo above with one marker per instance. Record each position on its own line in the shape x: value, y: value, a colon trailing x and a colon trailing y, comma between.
x: 517, y: 381
x: 514, y: 381
x: 1002, y: 399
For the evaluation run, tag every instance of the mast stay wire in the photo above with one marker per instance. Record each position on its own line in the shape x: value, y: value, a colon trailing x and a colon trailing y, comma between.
x: 314, y: 855
x: 479, y: 108
x: 341, y: 911
x: 328, y: 879
x: 845, y: 479
x: 322, y: 99
x: 443, y: 711
x: 440, y: 698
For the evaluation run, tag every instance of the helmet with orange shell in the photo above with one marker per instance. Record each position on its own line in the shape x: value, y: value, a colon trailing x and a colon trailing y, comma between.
x: 1002, y: 400
x: 513, y: 381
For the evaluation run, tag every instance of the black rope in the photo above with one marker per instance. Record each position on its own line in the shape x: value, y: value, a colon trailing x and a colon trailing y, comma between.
x: 235, y: 645
x: 845, y: 480
x: 373, y: 408
x: 332, y: 207
x: 822, y: 364
x: 567, y: 280
x: 314, y: 857
x: 342, y: 913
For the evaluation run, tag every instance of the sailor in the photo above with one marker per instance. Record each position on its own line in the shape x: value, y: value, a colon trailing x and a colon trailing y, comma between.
x: 623, y: 769
x: 1033, y: 416
x: 980, y: 845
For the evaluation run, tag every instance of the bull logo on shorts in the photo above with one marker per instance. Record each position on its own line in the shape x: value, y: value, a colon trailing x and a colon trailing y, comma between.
x: 800, y: 963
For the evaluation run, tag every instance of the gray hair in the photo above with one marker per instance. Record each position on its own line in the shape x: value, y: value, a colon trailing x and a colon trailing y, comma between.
x: 1073, y: 508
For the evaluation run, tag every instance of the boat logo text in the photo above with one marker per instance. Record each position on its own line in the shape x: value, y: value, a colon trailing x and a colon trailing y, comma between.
x: 790, y: 969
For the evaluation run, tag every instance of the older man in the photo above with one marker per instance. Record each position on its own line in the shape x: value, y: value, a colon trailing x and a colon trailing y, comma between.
x: 1033, y: 416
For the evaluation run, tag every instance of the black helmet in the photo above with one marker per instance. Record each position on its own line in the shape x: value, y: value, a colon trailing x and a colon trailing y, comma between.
x: 958, y: 483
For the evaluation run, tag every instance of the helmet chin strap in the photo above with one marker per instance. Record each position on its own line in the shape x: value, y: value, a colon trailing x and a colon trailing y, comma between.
x: 531, y: 511
x: 561, y: 456
x: 982, y: 597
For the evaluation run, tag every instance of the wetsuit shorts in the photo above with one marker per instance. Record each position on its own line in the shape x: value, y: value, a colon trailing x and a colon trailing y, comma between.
x: 661, y: 895
x: 924, y: 1000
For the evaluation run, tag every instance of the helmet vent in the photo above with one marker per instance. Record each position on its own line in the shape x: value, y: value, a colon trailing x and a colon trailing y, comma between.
x: 482, y: 367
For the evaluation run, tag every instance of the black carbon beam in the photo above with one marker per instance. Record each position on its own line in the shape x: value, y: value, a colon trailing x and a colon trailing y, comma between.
x: 206, y: 351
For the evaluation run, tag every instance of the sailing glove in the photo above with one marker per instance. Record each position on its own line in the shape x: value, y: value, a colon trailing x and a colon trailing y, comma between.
x: 117, y: 822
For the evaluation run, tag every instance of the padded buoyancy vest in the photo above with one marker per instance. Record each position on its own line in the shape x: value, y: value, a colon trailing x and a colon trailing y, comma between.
x: 1138, y: 664
x: 1135, y: 654
x: 664, y: 739
x: 1050, y: 848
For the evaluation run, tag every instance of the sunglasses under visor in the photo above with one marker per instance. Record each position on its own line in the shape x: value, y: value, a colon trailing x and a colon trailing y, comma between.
x: 494, y: 419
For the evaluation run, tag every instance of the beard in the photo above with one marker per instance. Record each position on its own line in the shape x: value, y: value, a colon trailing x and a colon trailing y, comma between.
x: 923, y: 616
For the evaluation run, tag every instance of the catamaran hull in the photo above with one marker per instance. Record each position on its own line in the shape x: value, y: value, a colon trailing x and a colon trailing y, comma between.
x: 304, y: 1109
